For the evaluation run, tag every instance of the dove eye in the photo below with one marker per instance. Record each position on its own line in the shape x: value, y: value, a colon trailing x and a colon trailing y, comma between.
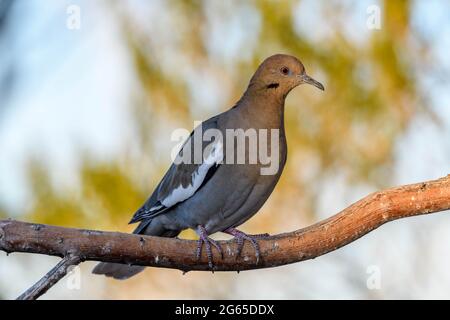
x: 285, y: 70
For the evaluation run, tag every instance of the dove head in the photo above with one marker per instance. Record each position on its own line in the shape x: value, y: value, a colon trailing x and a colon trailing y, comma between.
x: 279, y: 74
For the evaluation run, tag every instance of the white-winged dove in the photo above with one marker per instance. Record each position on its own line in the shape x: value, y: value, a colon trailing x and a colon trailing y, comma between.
x: 215, y: 194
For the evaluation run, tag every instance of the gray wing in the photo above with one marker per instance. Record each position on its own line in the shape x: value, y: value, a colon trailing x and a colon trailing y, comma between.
x: 183, y: 180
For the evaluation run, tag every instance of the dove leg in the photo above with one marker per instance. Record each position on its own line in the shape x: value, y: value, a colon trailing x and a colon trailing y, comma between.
x: 207, y: 241
x: 241, y: 236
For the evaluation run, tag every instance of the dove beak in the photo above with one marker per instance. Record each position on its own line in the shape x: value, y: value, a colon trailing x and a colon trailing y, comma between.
x: 304, y: 78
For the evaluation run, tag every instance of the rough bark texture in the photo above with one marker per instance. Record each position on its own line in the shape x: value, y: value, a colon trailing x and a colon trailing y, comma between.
x: 307, y: 243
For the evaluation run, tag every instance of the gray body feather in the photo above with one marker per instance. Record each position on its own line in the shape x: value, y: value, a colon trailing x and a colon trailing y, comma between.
x: 218, y: 196
x: 225, y: 200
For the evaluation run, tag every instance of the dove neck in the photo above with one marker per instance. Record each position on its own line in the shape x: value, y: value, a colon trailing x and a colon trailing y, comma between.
x: 264, y: 108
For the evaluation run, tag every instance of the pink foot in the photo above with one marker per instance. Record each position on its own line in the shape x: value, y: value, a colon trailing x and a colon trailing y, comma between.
x: 207, y: 241
x: 241, y: 236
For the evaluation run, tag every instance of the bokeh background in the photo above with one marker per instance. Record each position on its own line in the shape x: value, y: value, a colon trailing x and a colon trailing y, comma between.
x: 90, y: 92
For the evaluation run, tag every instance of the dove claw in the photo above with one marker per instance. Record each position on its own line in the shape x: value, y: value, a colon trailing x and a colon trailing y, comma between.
x: 241, y: 236
x: 207, y: 241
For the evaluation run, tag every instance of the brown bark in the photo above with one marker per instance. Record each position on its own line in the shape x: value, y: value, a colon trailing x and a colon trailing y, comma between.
x: 307, y: 243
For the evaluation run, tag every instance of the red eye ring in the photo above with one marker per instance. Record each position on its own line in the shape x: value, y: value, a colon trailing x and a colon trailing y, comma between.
x: 285, y: 70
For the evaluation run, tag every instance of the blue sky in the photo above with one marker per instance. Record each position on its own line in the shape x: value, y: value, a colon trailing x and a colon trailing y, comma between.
x: 73, y: 95
x: 75, y: 85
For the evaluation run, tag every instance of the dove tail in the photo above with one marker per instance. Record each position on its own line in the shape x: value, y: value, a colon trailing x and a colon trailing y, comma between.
x: 121, y: 271
x: 117, y: 270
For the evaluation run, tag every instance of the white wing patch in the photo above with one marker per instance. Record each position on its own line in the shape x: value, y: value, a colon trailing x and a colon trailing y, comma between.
x: 180, y: 193
x: 155, y: 208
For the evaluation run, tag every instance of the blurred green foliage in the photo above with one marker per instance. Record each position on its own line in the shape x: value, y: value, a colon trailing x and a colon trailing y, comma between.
x: 351, y: 129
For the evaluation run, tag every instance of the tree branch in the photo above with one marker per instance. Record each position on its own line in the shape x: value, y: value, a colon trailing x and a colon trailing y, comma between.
x: 50, y: 279
x: 307, y: 243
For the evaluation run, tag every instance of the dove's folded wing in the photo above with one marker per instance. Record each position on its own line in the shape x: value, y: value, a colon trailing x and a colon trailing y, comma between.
x: 183, y: 180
